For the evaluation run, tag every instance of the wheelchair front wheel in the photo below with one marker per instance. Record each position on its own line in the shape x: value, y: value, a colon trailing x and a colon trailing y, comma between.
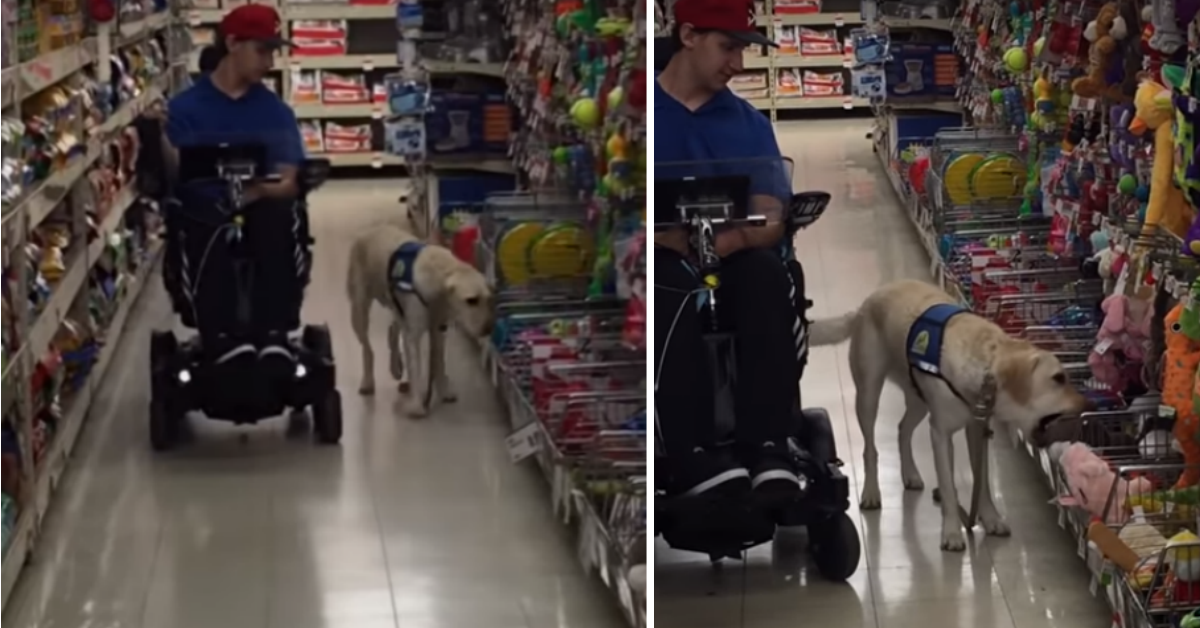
x: 836, y: 547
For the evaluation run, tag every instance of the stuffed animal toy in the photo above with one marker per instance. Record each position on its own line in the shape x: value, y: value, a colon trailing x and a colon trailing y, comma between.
x: 1092, y: 482
x: 1183, y: 556
x: 1179, y: 378
x: 1104, y: 33
x: 1167, y: 37
x: 1187, y: 116
x: 1167, y: 207
x: 1117, y: 357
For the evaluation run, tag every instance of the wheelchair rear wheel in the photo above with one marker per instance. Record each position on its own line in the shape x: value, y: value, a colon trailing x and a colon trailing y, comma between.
x: 326, y: 411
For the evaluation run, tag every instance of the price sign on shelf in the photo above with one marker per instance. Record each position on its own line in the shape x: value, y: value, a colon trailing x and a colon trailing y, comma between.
x: 525, y: 442
x: 377, y: 161
x: 368, y: 65
x: 377, y: 112
x: 839, y: 21
x: 195, y: 18
x: 847, y: 103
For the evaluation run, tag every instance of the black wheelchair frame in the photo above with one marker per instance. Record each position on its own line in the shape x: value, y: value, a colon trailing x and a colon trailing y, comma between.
x: 712, y: 524
x: 186, y: 375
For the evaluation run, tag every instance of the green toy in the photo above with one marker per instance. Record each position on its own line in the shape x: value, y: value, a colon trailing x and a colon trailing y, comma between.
x: 1190, y: 319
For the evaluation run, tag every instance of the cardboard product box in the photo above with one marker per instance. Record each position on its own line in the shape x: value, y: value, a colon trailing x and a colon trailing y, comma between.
x: 455, y: 124
x: 922, y: 71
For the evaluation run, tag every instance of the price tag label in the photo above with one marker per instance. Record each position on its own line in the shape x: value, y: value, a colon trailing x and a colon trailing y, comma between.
x: 839, y: 21
x: 377, y: 162
x: 525, y: 442
x: 377, y: 112
x: 847, y: 103
x: 195, y: 19
x: 368, y: 65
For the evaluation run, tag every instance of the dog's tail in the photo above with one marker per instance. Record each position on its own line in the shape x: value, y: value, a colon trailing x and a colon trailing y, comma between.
x: 832, y: 331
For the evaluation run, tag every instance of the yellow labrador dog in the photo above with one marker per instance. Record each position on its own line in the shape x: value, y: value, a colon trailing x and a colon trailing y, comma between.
x: 977, y: 359
x: 425, y: 287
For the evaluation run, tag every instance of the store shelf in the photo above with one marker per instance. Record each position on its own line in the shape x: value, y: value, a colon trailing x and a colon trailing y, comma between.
x: 810, y: 61
x: 495, y: 70
x: 151, y: 24
x: 437, y: 162
x: 333, y: 11
x: 940, y: 106
x: 810, y: 19
x: 367, y: 63
x: 39, y: 203
x: 34, y: 76
x: 826, y: 102
x: 311, y: 112
x: 18, y: 551
x: 48, y: 322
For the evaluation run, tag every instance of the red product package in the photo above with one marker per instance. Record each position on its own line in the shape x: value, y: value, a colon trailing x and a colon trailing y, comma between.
x: 824, y: 84
x: 347, y: 139
x: 318, y: 47
x: 816, y: 43
x: 319, y: 29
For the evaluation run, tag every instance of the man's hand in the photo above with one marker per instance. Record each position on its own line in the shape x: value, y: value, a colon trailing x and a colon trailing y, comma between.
x: 156, y: 111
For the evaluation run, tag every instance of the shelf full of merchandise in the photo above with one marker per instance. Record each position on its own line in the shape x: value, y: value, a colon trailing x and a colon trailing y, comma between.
x: 322, y: 24
x: 78, y: 236
x: 1066, y: 119
x: 581, y: 151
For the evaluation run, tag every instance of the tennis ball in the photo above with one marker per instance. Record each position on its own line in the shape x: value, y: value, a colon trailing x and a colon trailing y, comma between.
x: 617, y: 147
x: 615, y: 98
x: 586, y: 113
x: 1016, y: 60
x: 1127, y: 184
x: 562, y: 155
x: 997, y: 96
x: 1039, y: 46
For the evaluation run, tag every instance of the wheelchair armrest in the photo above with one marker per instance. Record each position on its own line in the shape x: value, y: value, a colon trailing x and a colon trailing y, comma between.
x: 313, y: 174
x: 804, y: 210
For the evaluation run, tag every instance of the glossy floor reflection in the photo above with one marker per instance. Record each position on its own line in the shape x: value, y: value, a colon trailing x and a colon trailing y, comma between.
x: 408, y: 525
x: 1032, y: 580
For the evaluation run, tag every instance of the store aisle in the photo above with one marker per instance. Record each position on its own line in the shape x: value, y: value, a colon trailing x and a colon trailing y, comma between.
x: 407, y: 525
x: 1032, y: 580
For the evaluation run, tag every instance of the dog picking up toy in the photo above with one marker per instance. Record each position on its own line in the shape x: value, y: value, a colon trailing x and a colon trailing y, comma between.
x: 425, y: 287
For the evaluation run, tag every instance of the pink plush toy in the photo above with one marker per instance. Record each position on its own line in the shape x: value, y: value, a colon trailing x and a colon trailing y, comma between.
x: 1092, y: 482
x: 1121, y: 342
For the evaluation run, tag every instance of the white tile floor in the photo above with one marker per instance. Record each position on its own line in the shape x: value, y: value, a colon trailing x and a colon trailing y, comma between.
x: 407, y: 525
x: 1032, y: 580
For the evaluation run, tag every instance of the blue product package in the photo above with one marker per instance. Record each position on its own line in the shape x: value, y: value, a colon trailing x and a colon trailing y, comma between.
x: 454, y: 124
x: 410, y: 15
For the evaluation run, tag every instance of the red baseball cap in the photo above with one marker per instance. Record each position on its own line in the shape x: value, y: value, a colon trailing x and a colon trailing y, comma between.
x: 732, y: 17
x: 254, y: 22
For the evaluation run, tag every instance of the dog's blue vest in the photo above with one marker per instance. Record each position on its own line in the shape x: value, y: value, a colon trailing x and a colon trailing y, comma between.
x: 925, y: 339
x: 402, y: 266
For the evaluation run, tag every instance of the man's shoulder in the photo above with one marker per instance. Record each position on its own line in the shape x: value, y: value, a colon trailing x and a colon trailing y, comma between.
x: 749, y: 114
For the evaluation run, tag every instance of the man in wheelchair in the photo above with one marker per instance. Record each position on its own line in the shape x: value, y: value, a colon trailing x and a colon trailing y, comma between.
x: 698, y: 119
x: 238, y: 251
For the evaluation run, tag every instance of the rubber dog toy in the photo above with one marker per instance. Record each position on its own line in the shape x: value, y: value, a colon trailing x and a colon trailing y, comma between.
x: 1167, y: 207
x: 1179, y: 377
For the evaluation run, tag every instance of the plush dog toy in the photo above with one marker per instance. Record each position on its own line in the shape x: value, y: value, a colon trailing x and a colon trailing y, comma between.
x: 1167, y: 207
x: 1092, y: 481
x: 1179, y: 378
x: 1104, y: 33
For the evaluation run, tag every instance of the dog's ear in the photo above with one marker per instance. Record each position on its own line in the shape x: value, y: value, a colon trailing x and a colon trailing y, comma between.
x: 1014, y: 373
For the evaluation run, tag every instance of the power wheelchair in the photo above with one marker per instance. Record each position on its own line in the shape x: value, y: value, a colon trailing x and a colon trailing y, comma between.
x: 236, y: 274
x: 712, y: 524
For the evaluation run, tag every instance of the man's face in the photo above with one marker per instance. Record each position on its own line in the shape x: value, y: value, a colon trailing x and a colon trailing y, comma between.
x: 253, y: 59
x: 716, y: 57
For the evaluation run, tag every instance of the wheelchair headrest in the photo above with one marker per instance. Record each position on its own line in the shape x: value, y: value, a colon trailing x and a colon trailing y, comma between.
x: 314, y: 173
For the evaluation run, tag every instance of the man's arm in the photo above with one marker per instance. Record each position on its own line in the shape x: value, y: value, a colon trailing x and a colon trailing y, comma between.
x: 287, y: 156
x: 770, y: 189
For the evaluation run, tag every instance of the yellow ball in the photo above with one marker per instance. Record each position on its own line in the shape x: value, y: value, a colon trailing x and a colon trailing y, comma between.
x: 586, y: 113
x: 1016, y: 60
x: 615, y: 98
x: 1039, y: 46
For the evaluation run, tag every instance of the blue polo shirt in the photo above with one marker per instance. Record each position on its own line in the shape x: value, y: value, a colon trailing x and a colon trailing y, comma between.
x: 727, y: 131
x: 204, y: 115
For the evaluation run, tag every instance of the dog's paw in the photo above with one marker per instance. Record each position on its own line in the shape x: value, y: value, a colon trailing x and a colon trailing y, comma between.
x: 416, y: 411
x: 367, y: 390
x: 404, y: 387
x: 913, y: 482
x: 953, y: 540
x: 871, y: 500
x: 450, y: 396
x: 995, y: 525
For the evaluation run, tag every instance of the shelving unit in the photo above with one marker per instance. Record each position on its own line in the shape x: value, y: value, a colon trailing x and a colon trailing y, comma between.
x: 105, y: 263
x: 772, y: 62
x: 366, y: 63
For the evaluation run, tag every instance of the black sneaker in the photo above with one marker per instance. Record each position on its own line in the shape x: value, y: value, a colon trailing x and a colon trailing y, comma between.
x: 703, y: 473
x: 774, y: 474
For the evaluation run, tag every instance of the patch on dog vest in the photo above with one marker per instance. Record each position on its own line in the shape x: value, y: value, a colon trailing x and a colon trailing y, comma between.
x: 926, y: 336
x: 402, y: 266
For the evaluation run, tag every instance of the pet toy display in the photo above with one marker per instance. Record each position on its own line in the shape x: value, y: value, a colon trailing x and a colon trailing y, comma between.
x: 1067, y: 214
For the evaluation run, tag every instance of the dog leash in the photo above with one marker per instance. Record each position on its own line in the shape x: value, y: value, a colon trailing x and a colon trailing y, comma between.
x: 982, y: 410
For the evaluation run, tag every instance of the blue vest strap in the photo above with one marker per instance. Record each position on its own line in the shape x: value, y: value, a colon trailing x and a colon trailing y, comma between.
x: 402, y: 266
